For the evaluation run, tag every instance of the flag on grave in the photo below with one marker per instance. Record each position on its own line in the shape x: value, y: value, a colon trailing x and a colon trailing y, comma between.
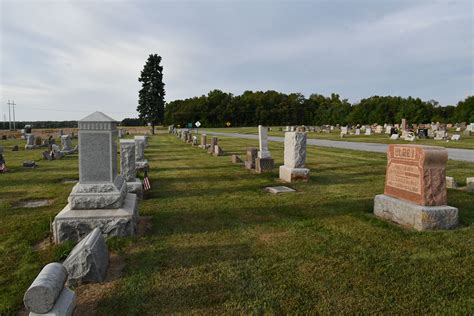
x: 146, y: 181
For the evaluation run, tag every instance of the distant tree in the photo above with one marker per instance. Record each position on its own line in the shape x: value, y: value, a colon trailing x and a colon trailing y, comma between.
x: 132, y: 122
x: 464, y: 112
x: 151, y: 97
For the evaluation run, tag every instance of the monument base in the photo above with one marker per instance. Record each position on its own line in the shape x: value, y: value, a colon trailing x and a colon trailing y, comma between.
x: 413, y: 215
x: 135, y: 187
x: 64, y: 306
x: 288, y: 174
x: 76, y: 224
x: 264, y: 164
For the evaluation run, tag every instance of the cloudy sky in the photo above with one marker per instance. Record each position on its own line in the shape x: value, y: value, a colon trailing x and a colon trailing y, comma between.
x: 64, y: 59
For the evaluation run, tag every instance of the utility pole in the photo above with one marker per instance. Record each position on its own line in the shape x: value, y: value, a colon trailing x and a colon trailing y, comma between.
x: 9, y: 117
x: 14, y: 121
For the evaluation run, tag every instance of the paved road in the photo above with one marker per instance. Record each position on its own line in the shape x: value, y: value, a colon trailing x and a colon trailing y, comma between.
x: 453, y: 153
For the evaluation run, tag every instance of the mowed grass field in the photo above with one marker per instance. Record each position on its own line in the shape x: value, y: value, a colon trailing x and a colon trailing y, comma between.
x: 466, y: 142
x: 220, y: 244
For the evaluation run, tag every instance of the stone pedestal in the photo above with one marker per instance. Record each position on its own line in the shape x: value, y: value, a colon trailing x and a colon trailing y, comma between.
x: 289, y: 174
x: 264, y: 164
x: 415, y: 188
x: 74, y: 225
x: 415, y: 216
x: 295, y: 158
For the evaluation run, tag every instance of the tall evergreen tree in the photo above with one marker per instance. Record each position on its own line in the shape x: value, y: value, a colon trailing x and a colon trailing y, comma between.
x: 151, y: 97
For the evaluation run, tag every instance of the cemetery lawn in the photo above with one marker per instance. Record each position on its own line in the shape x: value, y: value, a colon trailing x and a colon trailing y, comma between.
x: 466, y: 142
x: 220, y: 244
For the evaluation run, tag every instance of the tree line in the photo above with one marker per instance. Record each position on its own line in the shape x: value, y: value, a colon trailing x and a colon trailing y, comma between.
x: 274, y: 108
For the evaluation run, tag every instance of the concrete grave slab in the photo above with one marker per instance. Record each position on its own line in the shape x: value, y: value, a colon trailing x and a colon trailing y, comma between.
x: 279, y: 189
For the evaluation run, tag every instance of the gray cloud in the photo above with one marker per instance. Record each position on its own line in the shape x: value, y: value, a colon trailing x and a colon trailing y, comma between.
x: 62, y: 59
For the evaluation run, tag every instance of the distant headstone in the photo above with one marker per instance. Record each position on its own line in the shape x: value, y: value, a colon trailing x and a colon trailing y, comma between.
x: 294, y: 158
x: 368, y: 131
x: 456, y: 137
x: 415, y: 188
x: 29, y: 164
x: 203, y: 141
x: 218, y: 151
x: 15, y: 148
x: 30, y: 141
x: 451, y: 183
x: 66, y: 142
x: 470, y: 184
x: 251, y: 157
x: 394, y: 137
x: 263, y: 142
x: 88, y: 261
x: 236, y: 159
x: 357, y: 131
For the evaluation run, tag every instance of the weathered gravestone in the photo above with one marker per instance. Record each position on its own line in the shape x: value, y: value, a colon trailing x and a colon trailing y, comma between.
x: 66, y: 142
x: 415, y: 188
x: 140, y: 161
x: 214, y: 142
x: 470, y: 184
x: 30, y: 141
x: 236, y: 159
x: 264, y: 161
x: 368, y: 131
x: 47, y: 294
x: 203, y: 141
x: 294, y: 158
x: 128, y: 167
x: 100, y: 199
x: 251, y: 157
x: 88, y: 261
x: 451, y: 183
x: 218, y: 151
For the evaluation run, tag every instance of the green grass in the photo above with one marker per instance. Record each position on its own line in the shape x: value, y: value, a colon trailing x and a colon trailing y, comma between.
x: 220, y: 244
x: 466, y: 142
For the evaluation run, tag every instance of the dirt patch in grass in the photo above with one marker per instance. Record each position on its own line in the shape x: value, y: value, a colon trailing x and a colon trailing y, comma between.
x: 33, y: 203
x: 42, y: 244
x: 145, y: 223
x: 89, y: 295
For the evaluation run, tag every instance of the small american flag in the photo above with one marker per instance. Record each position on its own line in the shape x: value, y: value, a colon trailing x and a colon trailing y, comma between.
x: 146, y: 181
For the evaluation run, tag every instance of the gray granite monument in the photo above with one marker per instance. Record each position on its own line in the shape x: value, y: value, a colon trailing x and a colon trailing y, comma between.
x: 294, y: 158
x: 66, y: 142
x: 128, y: 167
x: 140, y: 161
x: 100, y: 199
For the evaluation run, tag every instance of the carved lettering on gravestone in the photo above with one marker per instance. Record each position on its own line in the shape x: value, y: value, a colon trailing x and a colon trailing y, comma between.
x: 404, y: 177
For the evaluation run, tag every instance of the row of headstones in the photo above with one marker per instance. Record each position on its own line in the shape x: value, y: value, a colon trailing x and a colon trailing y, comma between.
x: 186, y: 135
x: 294, y: 167
x: 132, y: 160
x: 50, y: 292
x: 415, y: 186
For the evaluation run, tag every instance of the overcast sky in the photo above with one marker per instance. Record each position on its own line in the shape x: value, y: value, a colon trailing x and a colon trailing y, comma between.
x: 63, y: 59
